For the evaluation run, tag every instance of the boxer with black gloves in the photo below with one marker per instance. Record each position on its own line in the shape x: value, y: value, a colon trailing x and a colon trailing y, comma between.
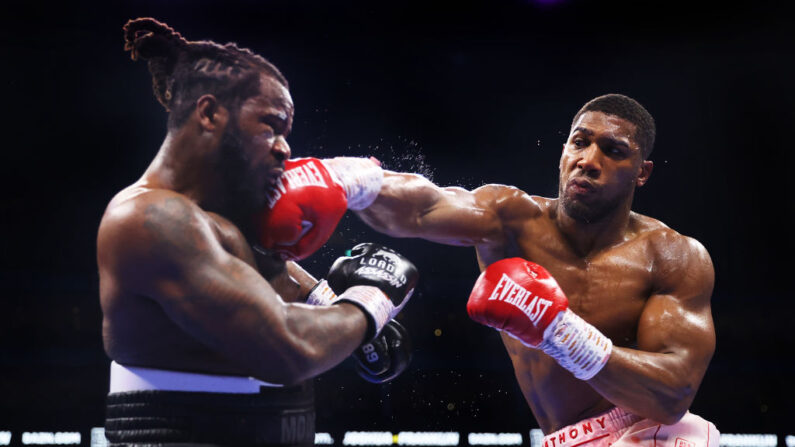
x: 210, y: 339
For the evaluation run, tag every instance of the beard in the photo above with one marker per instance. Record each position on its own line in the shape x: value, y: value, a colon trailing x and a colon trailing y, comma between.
x: 590, y: 211
x: 241, y: 196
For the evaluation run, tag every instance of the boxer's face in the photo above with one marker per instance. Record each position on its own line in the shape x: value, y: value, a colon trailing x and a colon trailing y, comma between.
x: 254, y: 147
x: 600, y: 166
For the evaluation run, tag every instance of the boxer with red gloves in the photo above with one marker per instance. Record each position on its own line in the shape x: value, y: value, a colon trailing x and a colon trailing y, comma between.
x: 613, y: 349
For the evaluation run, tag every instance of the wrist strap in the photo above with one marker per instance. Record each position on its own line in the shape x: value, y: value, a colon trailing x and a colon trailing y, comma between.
x: 376, y: 306
x: 576, y: 345
x: 361, y: 179
x: 321, y: 294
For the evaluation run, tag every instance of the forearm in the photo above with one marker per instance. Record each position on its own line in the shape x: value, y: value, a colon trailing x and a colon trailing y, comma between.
x: 400, y: 205
x: 651, y: 385
x: 409, y: 205
x: 305, y: 280
x: 320, y: 337
x: 235, y: 312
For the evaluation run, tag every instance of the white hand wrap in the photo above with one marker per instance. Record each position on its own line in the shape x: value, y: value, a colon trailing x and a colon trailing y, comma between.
x: 321, y: 294
x: 576, y: 345
x: 370, y: 299
x: 373, y: 302
x: 361, y: 179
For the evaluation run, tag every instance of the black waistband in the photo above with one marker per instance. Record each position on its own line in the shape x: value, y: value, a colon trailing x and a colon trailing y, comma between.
x: 274, y: 417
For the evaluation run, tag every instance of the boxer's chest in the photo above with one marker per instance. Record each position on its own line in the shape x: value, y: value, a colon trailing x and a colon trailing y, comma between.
x: 608, y: 289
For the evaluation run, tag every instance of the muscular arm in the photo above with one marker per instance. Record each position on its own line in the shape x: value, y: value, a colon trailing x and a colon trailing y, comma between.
x: 409, y: 205
x: 161, y: 248
x: 676, y: 340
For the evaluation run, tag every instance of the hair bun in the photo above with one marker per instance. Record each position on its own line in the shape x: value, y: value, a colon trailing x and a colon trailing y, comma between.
x: 148, y: 38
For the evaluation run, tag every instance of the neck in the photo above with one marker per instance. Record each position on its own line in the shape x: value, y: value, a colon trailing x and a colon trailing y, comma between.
x: 185, y: 164
x: 589, y: 238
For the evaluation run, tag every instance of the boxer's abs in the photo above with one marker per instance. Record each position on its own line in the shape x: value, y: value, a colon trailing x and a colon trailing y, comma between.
x: 554, y: 395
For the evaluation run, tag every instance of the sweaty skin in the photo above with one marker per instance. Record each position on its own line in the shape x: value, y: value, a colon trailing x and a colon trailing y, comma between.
x: 180, y: 286
x: 639, y: 282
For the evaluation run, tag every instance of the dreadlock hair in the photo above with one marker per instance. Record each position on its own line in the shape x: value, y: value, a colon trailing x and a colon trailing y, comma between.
x: 182, y: 71
x: 626, y: 108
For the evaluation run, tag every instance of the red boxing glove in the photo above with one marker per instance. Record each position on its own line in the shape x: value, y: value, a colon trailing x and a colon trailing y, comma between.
x: 303, y: 210
x: 524, y: 300
x: 518, y: 297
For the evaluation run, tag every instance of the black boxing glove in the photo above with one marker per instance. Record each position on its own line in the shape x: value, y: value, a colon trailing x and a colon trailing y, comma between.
x: 386, y: 356
x: 354, y: 277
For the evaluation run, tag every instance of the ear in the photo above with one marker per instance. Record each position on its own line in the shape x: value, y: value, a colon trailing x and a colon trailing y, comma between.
x: 646, y: 166
x: 212, y: 116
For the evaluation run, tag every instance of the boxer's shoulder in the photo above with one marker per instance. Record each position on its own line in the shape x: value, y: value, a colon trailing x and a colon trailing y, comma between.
x: 674, y: 256
x: 149, y: 225
x: 667, y: 244
x: 138, y: 202
x: 510, y: 202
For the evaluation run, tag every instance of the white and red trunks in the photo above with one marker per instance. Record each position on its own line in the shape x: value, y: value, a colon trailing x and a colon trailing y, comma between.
x: 618, y: 428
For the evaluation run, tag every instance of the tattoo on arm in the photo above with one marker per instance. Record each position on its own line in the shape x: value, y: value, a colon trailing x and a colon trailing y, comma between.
x: 169, y: 220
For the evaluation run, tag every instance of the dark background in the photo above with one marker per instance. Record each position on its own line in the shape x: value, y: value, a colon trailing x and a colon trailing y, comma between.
x: 468, y: 93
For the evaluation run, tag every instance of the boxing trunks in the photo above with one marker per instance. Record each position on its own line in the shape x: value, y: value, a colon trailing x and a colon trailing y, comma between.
x: 618, y: 428
x: 150, y: 407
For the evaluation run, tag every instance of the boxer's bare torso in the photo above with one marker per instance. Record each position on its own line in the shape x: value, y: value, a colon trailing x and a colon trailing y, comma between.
x: 608, y: 288
x: 136, y: 329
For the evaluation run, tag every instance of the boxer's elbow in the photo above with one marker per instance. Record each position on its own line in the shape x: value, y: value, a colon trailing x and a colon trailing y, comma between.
x: 674, y: 403
x: 304, y: 362
x: 288, y: 363
x: 668, y: 416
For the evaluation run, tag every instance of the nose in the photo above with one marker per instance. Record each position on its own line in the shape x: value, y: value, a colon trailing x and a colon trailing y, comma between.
x: 280, y: 149
x: 589, y: 161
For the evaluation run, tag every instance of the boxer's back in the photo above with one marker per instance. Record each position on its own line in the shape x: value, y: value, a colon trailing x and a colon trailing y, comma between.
x: 608, y: 288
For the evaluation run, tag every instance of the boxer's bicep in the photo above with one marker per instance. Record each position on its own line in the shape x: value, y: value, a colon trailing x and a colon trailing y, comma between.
x: 224, y: 303
x: 675, y: 337
x: 409, y: 205
x: 659, y: 379
x: 677, y: 320
x: 227, y: 305
x: 203, y: 288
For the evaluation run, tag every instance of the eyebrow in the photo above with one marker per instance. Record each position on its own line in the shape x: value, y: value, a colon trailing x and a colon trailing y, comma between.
x: 275, y: 102
x: 279, y: 120
x: 279, y: 114
x: 283, y: 103
x: 614, y: 141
